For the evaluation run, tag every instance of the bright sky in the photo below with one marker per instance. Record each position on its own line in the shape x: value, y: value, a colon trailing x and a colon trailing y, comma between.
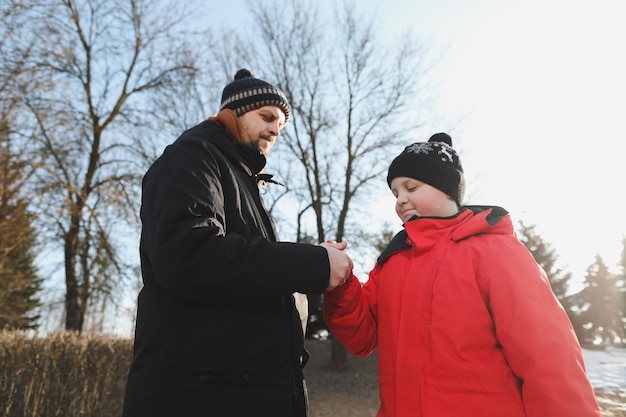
x: 543, y: 86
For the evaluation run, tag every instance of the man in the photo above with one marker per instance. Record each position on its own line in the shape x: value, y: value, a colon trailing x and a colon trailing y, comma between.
x: 218, y: 332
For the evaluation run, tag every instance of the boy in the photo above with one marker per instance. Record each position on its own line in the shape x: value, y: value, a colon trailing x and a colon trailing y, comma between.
x: 463, y: 318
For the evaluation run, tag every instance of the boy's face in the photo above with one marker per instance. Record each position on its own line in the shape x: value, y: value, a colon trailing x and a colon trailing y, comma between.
x: 259, y: 128
x: 416, y: 198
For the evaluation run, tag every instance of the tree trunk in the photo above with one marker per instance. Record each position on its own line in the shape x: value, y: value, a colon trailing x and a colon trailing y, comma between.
x: 74, y: 317
x: 338, y: 354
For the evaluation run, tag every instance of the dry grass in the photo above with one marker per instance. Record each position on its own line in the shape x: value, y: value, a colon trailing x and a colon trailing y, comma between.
x: 63, y: 375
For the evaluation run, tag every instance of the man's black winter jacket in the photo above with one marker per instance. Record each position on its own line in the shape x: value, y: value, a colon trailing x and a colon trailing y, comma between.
x: 217, y: 332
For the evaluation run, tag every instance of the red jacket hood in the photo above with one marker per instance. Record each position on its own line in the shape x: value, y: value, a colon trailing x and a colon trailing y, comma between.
x: 424, y: 232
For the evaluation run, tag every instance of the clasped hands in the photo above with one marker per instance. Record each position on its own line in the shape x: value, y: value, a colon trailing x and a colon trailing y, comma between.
x: 340, y: 263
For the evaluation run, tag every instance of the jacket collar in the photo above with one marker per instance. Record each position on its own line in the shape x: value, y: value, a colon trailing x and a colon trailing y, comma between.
x: 425, y: 232
x: 252, y: 160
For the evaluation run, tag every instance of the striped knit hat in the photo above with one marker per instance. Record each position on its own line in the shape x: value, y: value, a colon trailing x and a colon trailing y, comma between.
x: 248, y: 93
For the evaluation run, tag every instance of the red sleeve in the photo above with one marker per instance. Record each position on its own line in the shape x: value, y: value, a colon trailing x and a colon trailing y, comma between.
x: 350, y: 314
x: 536, y: 335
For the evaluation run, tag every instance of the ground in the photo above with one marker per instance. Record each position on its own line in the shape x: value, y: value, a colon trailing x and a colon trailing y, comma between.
x: 348, y: 392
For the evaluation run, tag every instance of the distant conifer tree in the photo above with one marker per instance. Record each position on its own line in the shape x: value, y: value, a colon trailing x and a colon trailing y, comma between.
x: 559, y: 278
x: 602, y: 304
x: 19, y: 283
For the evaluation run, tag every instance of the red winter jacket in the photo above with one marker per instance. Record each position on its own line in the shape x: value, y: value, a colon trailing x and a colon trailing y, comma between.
x: 465, y: 323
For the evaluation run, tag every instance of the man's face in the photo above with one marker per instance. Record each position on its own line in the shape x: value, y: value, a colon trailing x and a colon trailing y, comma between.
x: 259, y: 128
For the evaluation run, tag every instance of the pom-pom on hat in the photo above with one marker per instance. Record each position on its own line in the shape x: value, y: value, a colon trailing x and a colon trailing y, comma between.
x: 435, y: 163
x: 248, y: 93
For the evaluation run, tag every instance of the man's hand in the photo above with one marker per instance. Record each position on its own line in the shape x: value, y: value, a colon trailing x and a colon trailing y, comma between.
x: 340, y: 263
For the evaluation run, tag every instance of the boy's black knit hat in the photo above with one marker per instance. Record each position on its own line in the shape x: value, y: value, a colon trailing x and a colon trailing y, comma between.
x: 248, y: 93
x: 435, y: 163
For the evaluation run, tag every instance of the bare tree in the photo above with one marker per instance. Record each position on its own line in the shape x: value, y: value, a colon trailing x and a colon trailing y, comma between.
x: 96, y: 68
x: 354, y: 97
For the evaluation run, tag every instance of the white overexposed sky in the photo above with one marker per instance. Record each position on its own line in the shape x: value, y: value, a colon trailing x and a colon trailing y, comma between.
x: 540, y: 87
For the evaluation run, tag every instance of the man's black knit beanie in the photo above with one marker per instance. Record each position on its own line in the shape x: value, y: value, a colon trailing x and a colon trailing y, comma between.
x: 248, y: 93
